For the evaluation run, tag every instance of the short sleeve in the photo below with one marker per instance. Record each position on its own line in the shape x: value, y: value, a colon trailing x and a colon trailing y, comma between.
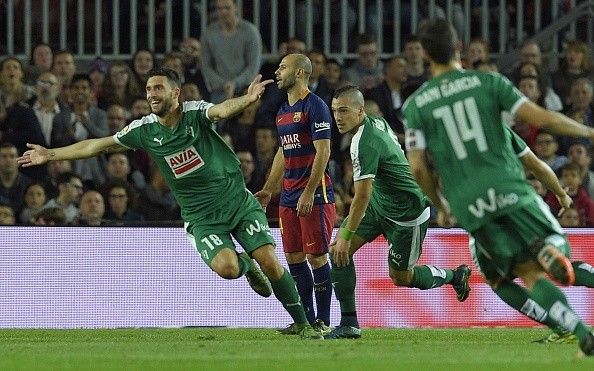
x: 130, y: 136
x: 365, y: 157
x: 319, y: 120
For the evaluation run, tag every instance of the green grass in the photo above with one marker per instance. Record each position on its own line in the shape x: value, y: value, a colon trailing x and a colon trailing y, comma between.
x: 260, y: 349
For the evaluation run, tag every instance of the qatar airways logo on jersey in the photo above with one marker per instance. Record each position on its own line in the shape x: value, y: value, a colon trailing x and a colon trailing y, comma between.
x: 184, y: 162
x: 290, y: 141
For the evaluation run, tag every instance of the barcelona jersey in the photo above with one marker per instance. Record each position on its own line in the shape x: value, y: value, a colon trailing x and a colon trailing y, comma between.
x: 298, y: 126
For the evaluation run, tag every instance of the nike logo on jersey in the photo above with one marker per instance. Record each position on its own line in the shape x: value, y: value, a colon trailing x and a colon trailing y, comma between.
x: 160, y: 141
x: 184, y: 162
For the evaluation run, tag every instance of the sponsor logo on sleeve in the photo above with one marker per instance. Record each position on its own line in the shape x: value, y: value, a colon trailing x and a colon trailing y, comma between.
x: 320, y: 126
x: 184, y: 162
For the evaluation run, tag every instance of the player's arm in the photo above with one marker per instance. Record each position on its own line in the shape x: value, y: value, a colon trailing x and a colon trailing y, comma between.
x: 546, y: 176
x: 305, y: 203
x: 233, y: 106
x: 274, y: 182
x: 554, y: 122
x: 38, y: 155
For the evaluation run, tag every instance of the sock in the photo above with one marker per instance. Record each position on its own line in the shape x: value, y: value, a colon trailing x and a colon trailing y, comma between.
x: 245, y: 263
x: 285, y: 291
x: 584, y: 274
x: 549, y: 297
x: 302, y: 276
x: 427, y: 277
x: 343, y: 281
x: 323, y: 292
x: 518, y: 298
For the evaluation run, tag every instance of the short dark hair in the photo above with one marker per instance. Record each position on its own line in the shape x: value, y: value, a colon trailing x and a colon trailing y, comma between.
x: 66, y: 177
x: 170, y: 74
x: 7, y: 145
x: 81, y: 77
x: 365, y: 39
x: 439, y: 39
x: 345, y: 89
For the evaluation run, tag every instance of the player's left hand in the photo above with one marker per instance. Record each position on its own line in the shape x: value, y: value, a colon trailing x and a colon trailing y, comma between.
x: 256, y: 88
x: 305, y: 204
x: 340, y: 252
x: 566, y: 201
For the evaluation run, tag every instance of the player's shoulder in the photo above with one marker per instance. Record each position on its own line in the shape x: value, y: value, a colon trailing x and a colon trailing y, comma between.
x: 196, y: 105
x: 411, y: 98
x: 312, y: 100
x: 139, y: 124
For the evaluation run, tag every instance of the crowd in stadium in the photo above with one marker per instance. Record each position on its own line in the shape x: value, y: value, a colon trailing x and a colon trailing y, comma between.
x: 49, y: 101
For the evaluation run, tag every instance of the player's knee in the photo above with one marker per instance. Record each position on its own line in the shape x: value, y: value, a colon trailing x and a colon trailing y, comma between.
x: 268, y: 262
x: 317, y: 261
x: 228, y: 270
x: 401, y: 278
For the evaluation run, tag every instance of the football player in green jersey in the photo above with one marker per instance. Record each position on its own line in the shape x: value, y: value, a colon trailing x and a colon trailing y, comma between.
x: 387, y: 202
x: 456, y: 116
x: 205, y: 177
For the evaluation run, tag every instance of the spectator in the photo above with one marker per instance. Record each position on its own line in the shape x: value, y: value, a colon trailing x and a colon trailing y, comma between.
x: 570, y: 218
x: 418, y: 72
x: 333, y: 74
x: 291, y: 46
x: 571, y: 179
x: 581, y: 98
x: 97, y: 73
x: 174, y: 62
x: 545, y: 148
x: 551, y: 100
x: 189, y: 92
x: 317, y: 82
x: 156, y: 201
x: 81, y: 121
x: 372, y: 108
x: 190, y: 49
x: 50, y: 216
x: 231, y: 52
x: 485, y: 66
x: 532, y: 88
x: 367, y: 71
x: 140, y: 108
x: 92, y: 209
x: 142, y: 62
x: 242, y: 128
x: 266, y: 148
x: 54, y: 169
x: 120, y: 202
x: 46, y: 105
x: 35, y: 199
x: 118, y: 168
x: 477, y: 51
x: 12, y: 87
x: 116, y: 118
x: 12, y: 183
x: 577, y: 63
x: 581, y: 155
x: 246, y: 160
x: 70, y: 188
x: 63, y: 68
x: 7, y: 215
x: 40, y: 62
x: 120, y: 87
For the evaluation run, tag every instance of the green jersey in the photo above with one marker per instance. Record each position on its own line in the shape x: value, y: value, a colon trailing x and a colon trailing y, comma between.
x: 376, y: 154
x: 457, y: 117
x: 202, y: 171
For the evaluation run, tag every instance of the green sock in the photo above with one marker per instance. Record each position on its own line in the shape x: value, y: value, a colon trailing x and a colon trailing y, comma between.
x: 584, y: 274
x: 549, y: 297
x: 245, y: 262
x: 344, y: 280
x: 285, y: 291
x: 427, y: 277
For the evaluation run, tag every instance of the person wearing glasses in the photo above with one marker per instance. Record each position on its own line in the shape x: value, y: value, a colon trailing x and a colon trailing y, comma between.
x: 70, y: 188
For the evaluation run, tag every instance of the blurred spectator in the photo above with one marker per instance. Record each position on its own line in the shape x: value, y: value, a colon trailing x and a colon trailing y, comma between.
x: 532, y: 88
x: 242, y: 128
x: 54, y: 169
x: 581, y: 96
x: 189, y: 91
x: 418, y: 72
x: 231, y: 52
x: 551, y: 99
x: 7, y: 215
x: 142, y: 62
x: 120, y: 202
x: 70, y: 188
x: 577, y: 63
x: 50, y: 216
x: 140, y: 108
x: 372, y: 108
x: 387, y: 93
x: 571, y: 180
x: 78, y: 122
x: 292, y: 46
x: 537, y: 185
x: 477, y: 51
x: 116, y: 118
x: 545, y: 148
x: 174, y: 62
x: 12, y: 86
x: 333, y: 74
x: 247, y: 169
x: 581, y: 155
x: 266, y: 148
x: 190, y: 49
x: 46, y: 105
x: 570, y: 218
x: 92, y: 209
x: 63, y: 68
x: 317, y: 81
x: 120, y: 87
x: 97, y: 73
x: 367, y: 71
x: 118, y: 167
x: 12, y: 183
x: 485, y: 66
x: 156, y: 201
x: 35, y: 199
x: 40, y: 62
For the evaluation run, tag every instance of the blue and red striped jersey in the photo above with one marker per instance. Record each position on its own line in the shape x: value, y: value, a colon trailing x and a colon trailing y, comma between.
x: 298, y: 126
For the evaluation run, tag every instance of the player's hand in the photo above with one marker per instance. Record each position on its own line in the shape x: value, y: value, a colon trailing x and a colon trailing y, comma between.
x: 340, y: 251
x: 256, y: 88
x: 445, y: 219
x: 305, y: 203
x: 37, y: 155
x: 565, y: 201
x: 263, y: 198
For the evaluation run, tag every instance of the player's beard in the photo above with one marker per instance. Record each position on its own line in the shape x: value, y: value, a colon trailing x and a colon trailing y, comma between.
x: 166, y: 104
x: 287, y: 83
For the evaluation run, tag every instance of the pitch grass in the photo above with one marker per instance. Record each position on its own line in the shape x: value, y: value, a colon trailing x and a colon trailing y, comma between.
x: 260, y: 349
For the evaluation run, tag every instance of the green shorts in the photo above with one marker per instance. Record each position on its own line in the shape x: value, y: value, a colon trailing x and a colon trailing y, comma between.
x: 243, y: 219
x: 405, y: 241
x: 499, y: 245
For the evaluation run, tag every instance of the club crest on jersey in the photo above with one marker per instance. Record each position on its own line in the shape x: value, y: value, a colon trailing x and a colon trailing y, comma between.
x: 184, y: 162
x: 297, y: 117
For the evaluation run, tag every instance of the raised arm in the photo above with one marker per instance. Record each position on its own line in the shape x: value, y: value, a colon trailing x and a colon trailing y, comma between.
x: 554, y: 122
x: 233, y: 106
x: 39, y: 155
